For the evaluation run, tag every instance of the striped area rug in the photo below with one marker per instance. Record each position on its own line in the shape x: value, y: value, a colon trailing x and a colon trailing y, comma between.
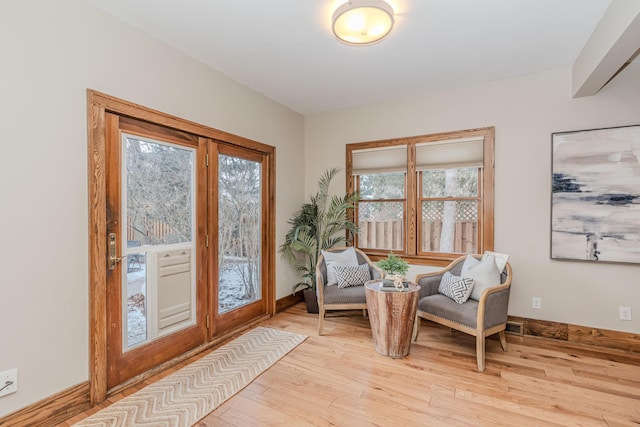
x: 186, y: 396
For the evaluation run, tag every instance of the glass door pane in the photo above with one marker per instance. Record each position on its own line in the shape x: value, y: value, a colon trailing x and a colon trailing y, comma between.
x: 158, y: 200
x: 239, y: 232
x: 136, y: 319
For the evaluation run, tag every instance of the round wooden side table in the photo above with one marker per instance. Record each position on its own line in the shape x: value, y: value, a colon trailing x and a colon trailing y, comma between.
x: 391, y: 315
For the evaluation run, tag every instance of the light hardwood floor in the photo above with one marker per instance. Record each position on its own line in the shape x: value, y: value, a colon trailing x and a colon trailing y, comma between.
x: 339, y: 380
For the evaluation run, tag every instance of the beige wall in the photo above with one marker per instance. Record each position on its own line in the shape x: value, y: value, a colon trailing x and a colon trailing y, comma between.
x: 51, y: 53
x: 525, y: 111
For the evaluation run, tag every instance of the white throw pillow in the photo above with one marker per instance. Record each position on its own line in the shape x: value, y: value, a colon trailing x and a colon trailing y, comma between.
x: 456, y: 287
x: 331, y: 259
x: 501, y: 259
x: 485, y: 274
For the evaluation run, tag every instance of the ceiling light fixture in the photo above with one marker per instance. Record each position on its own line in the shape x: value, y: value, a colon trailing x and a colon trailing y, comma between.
x: 362, y: 22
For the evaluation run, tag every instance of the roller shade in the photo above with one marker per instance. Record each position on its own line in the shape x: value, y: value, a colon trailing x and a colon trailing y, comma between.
x: 450, y: 154
x: 379, y: 160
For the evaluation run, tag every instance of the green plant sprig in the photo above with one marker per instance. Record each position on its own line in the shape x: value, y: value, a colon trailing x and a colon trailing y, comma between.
x: 394, y: 265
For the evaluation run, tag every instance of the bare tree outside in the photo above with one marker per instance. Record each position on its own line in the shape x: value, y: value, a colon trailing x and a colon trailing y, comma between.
x: 456, y: 184
x: 448, y: 204
x: 159, y: 209
x: 159, y: 192
x: 160, y: 186
x: 449, y: 214
x: 381, y: 210
x: 239, y: 235
x: 382, y: 186
x: 159, y: 198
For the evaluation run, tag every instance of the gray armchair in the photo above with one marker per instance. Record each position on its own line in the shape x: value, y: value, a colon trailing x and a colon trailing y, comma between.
x: 481, y: 318
x: 335, y: 298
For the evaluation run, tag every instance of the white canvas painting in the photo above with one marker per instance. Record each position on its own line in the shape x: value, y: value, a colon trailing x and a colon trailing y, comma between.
x: 595, y: 206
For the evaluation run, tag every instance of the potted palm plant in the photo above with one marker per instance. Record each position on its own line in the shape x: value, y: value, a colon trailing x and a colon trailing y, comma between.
x: 320, y: 224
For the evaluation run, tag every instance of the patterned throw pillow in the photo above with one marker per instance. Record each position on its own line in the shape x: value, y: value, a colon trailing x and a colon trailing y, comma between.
x: 349, y: 275
x: 457, y: 288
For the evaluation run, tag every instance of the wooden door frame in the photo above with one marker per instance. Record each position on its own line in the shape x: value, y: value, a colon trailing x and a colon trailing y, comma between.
x: 98, y: 104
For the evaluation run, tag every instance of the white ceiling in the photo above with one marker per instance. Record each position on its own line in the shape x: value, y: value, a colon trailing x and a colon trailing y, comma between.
x: 285, y: 48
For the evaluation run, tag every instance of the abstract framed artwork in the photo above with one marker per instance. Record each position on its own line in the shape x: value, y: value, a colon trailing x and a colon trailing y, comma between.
x: 595, y: 196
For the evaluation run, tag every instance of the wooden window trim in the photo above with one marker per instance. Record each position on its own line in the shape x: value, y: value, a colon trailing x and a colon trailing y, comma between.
x: 404, y: 212
x: 421, y: 199
x: 411, y: 223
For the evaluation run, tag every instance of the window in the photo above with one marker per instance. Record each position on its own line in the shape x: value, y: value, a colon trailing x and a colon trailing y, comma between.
x: 429, y: 198
x: 380, y: 174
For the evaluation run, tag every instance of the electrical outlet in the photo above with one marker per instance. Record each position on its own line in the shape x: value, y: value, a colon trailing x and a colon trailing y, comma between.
x: 536, y: 302
x: 8, y: 382
x: 625, y: 313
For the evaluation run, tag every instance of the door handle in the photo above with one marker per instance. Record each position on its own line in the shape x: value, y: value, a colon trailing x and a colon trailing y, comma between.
x: 113, y: 246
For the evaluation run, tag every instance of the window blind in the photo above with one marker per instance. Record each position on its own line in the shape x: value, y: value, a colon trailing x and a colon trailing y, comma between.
x: 379, y: 160
x: 450, y: 154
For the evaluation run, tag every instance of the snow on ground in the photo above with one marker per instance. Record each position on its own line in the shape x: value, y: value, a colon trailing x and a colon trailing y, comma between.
x: 231, y: 289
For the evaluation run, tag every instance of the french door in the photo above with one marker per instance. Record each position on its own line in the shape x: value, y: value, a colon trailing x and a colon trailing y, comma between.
x: 186, y: 236
x: 156, y: 288
x: 181, y: 238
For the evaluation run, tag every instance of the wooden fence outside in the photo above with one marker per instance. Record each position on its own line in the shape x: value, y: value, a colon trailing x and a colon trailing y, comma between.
x: 388, y: 235
x: 154, y: 229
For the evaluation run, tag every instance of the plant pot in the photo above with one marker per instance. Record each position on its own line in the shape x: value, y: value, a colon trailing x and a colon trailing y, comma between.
x: 311, y: 300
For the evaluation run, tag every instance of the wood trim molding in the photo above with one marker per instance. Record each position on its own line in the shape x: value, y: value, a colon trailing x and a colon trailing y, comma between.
x: 625, y: 341
x: 288, y: 301
x: 126, y: 108
x: 51, y: 410
x: 96, y: 117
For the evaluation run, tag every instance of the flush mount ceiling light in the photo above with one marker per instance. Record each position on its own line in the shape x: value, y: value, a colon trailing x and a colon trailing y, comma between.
x: 362, y: 22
